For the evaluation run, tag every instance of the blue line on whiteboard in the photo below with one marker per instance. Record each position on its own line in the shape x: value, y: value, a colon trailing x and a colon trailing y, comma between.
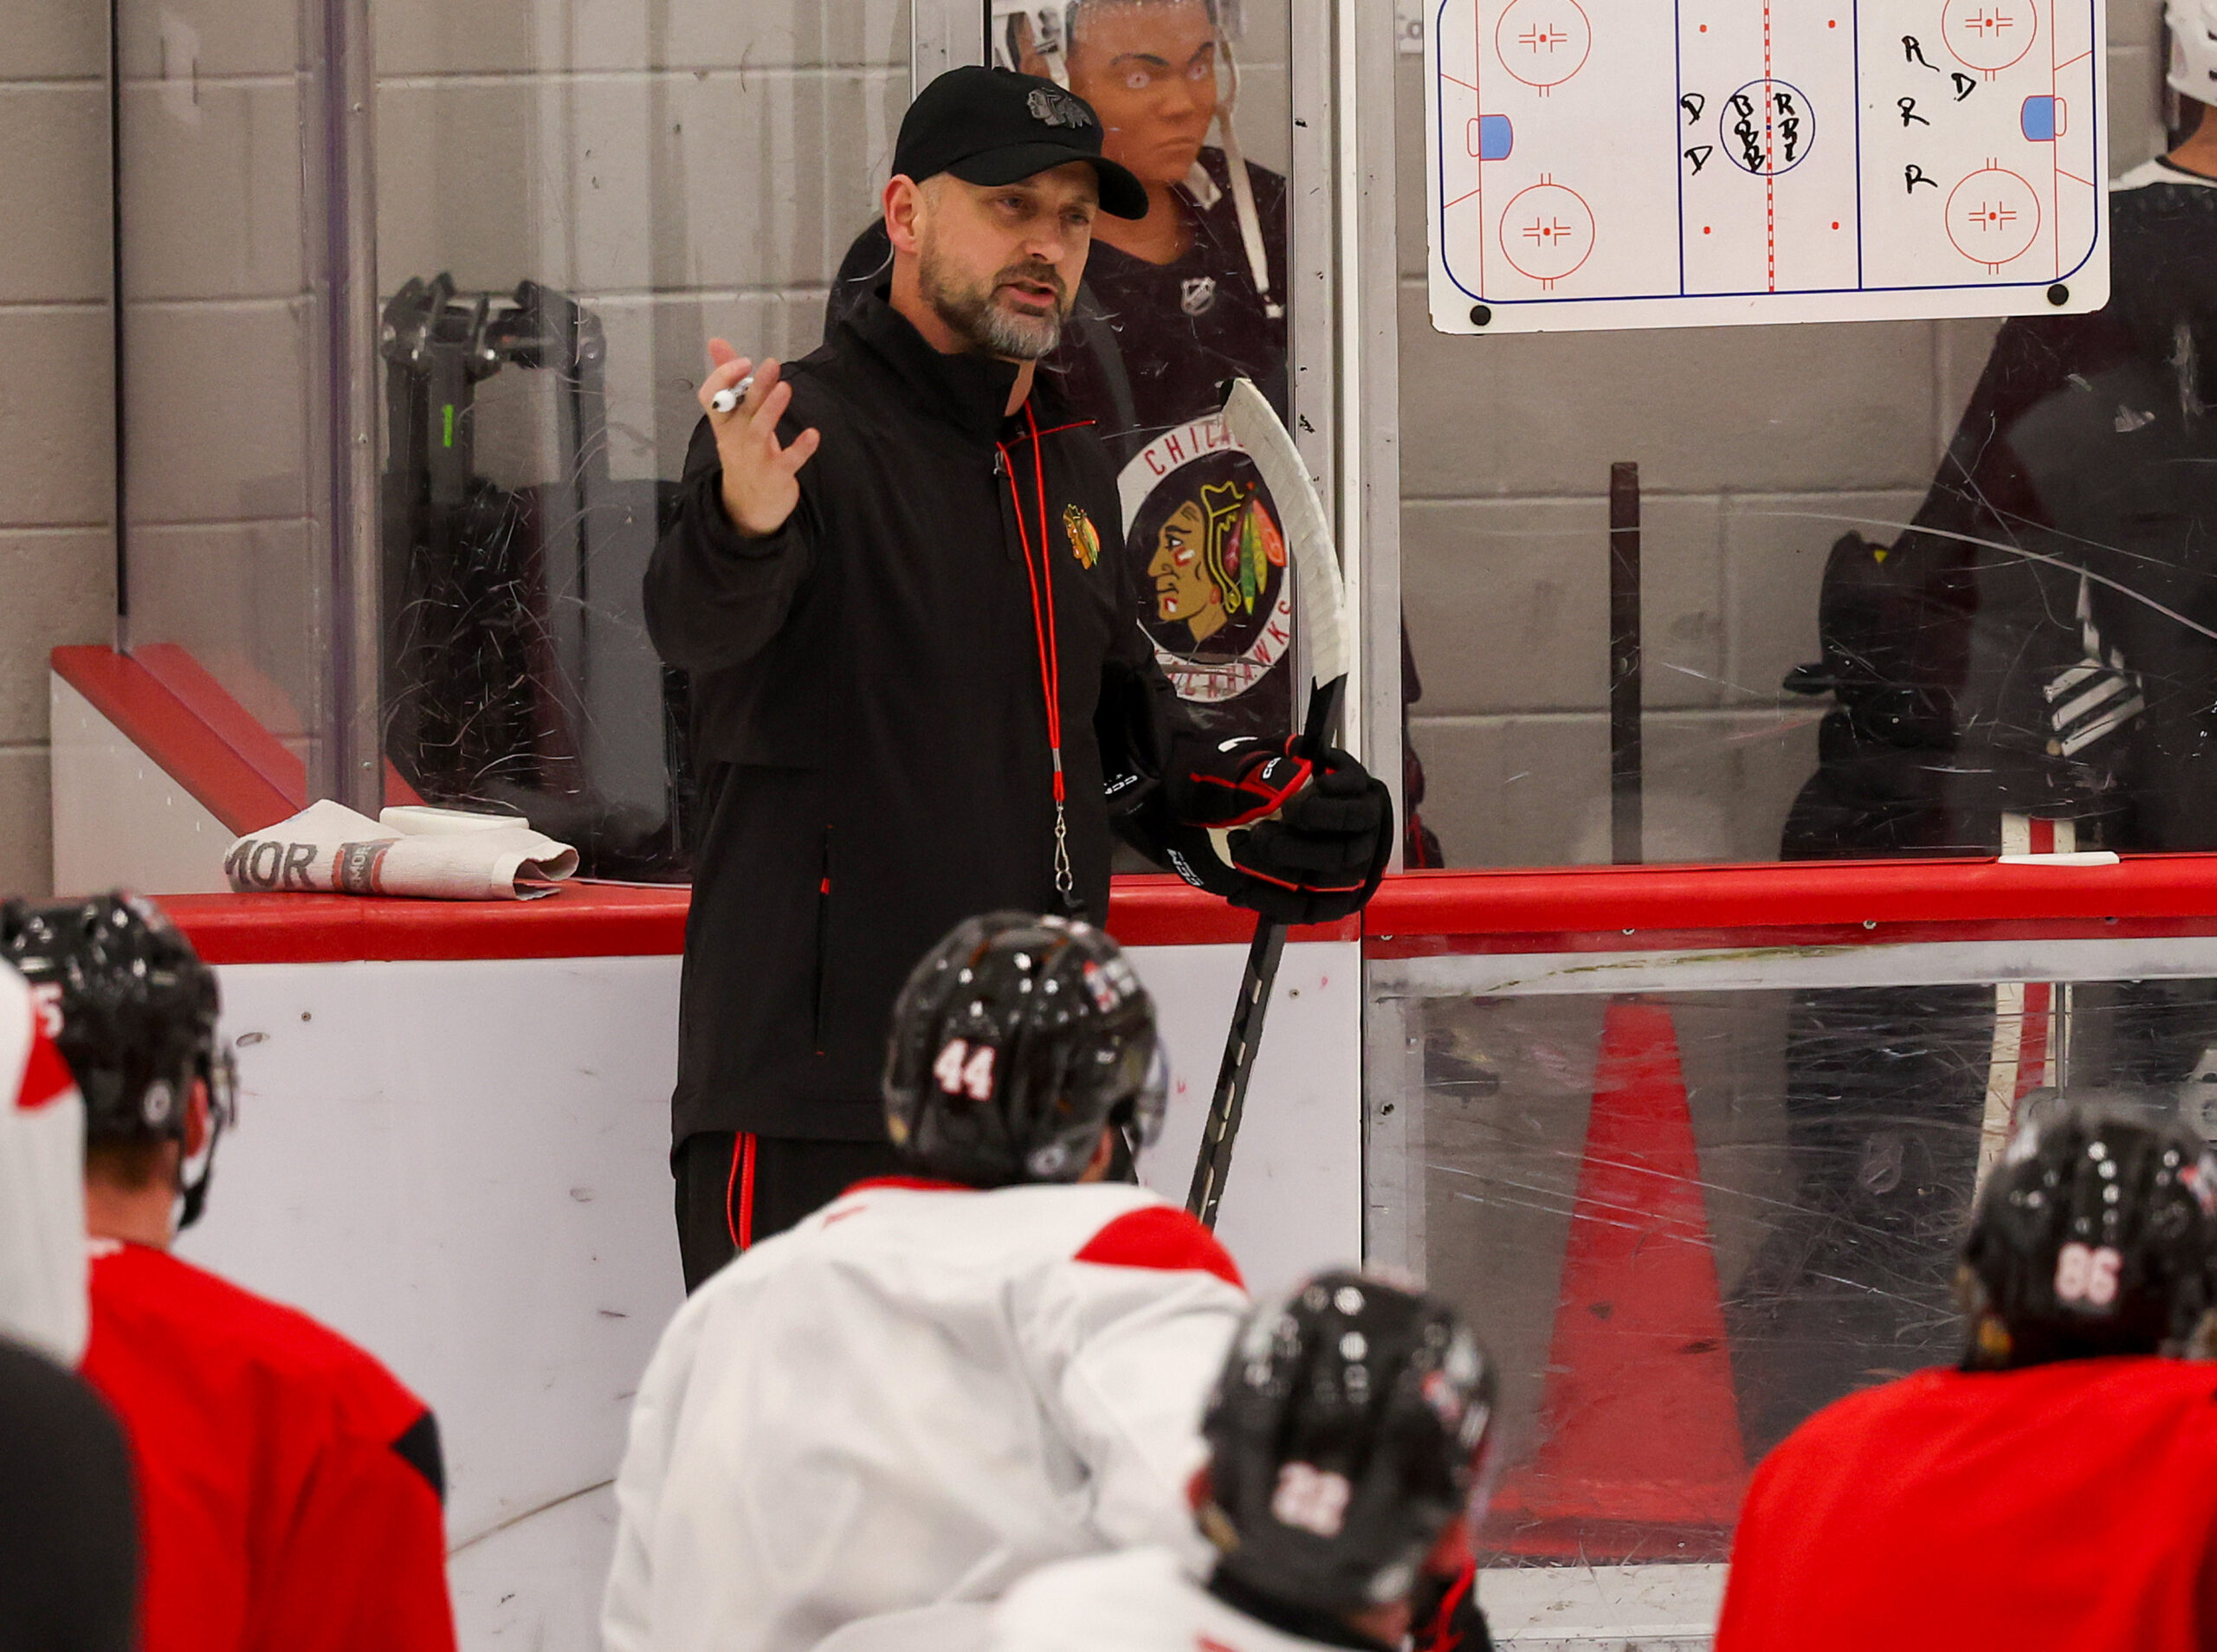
x: 1855, y: 48
x: 1678, y: 60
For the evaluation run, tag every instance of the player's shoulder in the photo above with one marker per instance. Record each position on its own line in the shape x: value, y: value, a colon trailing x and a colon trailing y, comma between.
x: 1132, y: 1600
x: 2185, y: 1389
x: 2113, y: 1390
x: 1116, y: 1224
x: 1831, y: 1435
x: 143, y: 1293
x: 1269, y: 186
x: 1098, y: 1224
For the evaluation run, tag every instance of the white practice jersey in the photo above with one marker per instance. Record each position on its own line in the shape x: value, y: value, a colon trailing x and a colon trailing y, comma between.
x: 1142, y: 1600
x: 916, y: 1396
x: 42, y: 1183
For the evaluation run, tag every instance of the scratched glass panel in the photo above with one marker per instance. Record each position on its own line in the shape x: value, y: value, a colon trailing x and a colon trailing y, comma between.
x: 1685, y: 1221
x: 1897, y: 583
x: 1196, y: 101
x: 224, y: 601
x: 571, y: 201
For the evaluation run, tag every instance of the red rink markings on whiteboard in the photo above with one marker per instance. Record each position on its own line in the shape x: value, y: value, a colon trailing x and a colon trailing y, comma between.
x: 1770, y: 180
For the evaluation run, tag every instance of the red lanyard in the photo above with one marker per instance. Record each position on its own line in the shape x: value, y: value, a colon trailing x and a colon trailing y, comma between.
x: 1043, y: 632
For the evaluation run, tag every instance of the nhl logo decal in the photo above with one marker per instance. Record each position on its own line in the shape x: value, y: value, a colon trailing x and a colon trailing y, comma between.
x: 1197, y: 296
x: 1085, y: 541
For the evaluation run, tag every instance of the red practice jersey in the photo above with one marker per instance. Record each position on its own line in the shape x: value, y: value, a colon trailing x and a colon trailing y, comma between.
x: 2072, y: 1504
x: 42, y: 1179
x: 289, y: 1487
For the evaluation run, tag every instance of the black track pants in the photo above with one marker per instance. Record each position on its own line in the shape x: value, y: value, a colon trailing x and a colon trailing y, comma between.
x: 737, y: 1189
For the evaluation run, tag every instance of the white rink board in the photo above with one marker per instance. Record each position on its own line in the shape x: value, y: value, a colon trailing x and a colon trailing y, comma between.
x: 1607, y: 164
x: 463, y: 1166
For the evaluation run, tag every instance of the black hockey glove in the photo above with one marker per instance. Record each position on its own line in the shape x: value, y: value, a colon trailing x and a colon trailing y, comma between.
x: 1443, y: 1614
x: 1296, y: 842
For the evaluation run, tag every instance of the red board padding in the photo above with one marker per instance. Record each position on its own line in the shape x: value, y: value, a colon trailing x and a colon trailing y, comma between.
x: 590, y: 920
x: 1800, y: 903
x: 1155, y: 909
x: 179, y: 740
x: 579, y: 920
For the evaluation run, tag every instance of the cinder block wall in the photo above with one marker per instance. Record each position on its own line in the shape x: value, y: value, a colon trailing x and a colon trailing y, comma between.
x: 685, y: 167
x: 56, y: 552
x: 1758, y: 448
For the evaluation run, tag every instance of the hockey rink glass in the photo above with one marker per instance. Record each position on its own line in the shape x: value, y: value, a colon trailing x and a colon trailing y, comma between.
x: 1828, y: 590
x: 1687, y: 1219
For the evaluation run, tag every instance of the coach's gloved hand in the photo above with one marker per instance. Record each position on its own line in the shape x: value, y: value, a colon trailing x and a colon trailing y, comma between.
x: 1237, y: 783
x: 1298, y: 842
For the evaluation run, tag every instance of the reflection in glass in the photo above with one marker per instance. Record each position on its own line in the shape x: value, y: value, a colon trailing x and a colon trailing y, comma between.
x: 565, y: 214
x: 2041, y: 642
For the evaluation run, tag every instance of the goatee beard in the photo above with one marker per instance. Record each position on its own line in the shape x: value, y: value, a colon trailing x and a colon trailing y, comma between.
x: 975, y: 317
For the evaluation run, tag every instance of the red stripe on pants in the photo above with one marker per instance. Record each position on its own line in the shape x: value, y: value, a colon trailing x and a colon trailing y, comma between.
x: 739, y: 1213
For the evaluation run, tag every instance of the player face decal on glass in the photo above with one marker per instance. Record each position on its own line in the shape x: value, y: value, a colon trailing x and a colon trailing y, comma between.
x: 1148, y: 68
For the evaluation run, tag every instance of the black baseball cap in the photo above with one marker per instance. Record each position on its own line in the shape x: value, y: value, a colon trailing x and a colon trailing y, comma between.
x: 991, y: 125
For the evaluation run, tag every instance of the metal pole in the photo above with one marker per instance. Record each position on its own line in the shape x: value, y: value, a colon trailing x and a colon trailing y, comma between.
x: 355, y: 771
x: 115, y: 309
x: 1370, y: 296
x: 1625, y: 755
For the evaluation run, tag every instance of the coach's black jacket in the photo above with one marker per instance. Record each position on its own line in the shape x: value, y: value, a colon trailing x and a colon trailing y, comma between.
x: 868, y: 717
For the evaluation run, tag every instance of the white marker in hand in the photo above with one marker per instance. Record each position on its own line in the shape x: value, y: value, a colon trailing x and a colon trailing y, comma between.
x: 726, y: 400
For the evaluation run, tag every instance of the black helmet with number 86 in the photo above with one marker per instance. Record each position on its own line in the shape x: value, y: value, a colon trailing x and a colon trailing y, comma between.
x: 1016, y: 1041
x: 2096, y: 1234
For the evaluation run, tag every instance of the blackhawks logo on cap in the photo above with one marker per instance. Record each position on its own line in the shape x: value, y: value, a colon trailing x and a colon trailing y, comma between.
x: 1085, y: 540
x: 1051, y: 106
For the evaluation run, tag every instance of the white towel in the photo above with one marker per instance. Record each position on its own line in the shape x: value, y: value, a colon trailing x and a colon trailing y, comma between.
x: 328, y: 849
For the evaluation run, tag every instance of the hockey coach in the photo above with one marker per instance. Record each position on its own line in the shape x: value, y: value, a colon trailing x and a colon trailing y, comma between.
x: 896, y: 578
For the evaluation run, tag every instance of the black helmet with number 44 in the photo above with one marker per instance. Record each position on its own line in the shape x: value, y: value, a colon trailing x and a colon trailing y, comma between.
x: 2095, y: 1234
x: 1349, y: 1428
x: 1015, y: 1042
x: 132, y: 1010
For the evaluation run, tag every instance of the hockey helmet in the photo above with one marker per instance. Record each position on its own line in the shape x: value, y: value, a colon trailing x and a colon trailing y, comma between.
x: 132, y: 1010
x: 1034, y: 37
x: 2193, y: 27
x: 1347, y: 1429
x: 1015, y: 1041
x: 2095, y: 1234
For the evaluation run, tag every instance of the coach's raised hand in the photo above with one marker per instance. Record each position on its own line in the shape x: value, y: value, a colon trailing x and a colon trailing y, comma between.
x: 760, y: 475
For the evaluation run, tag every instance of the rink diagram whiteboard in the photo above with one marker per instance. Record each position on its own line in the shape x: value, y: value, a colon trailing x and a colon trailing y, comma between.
x: 1600, y: 164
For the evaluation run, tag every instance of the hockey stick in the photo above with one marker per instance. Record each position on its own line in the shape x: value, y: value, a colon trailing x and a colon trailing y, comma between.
x: 1323, y: 604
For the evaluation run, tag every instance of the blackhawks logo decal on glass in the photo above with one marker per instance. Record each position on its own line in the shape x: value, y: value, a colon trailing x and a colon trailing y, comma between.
x: 1085, y: 543
x: 1200, y: 522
